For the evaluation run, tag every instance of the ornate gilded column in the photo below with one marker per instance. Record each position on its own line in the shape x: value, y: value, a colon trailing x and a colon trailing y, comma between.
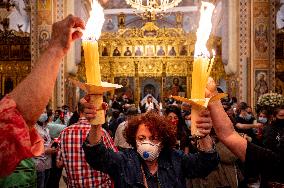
x: 43, y: 15
x: 60, y: 85
x: 244, y: 41
x: 273, y: 12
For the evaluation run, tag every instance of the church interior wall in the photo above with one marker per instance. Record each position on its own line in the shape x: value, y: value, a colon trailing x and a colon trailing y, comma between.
x: 254, y: 28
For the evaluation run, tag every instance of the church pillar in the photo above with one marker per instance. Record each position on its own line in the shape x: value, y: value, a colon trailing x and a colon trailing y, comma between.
x: 231, y: 34
x: 42, y: 18
x: 60, y: 83
x: 43, y: 15
x: 263, y: 48
x: 244, y: 49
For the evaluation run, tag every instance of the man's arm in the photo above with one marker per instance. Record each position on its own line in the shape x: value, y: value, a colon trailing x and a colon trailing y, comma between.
x: 33, y: 93
x: 248, y: 126
x: 226, y: 132
x: 223, y: 126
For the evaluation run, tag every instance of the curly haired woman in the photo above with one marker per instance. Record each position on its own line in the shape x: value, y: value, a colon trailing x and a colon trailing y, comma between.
x: 152, y: 162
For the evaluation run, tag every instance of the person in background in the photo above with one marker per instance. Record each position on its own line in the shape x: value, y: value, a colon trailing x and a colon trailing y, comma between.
x: 149, y: 105
x: 268, y: 163
x: 113, y: 123
x: 19, y: 139
x: 185, y: 108
x: 74, y: 118
x: 189, y: 142
x: 225, y: 175
x: 262, y: 118
x: 249, y: 111
x: 72, y: 158
x: 66, y: 114
x: 274, y: 132
x: 245, y: 122
x: 56, y: 116
x: 173, y: 115
x: 43, y: 162
x: 119, y: 139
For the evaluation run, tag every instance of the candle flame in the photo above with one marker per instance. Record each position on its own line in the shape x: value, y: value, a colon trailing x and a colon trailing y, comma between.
x: 204, y: 30
x: 95, y: 22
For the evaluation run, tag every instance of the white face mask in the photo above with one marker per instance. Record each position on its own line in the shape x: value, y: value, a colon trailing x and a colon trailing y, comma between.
x: 188, y: 123
x: 148, y: 150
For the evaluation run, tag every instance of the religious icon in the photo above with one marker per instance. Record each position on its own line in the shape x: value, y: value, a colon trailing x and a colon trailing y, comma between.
x: 4, y: 52
x: 109, y: 25
x: 261, y: 38
x: 278, y: 86
x: 105, y: 52
x: 261, y: 86
x: 43, y: 40
x: 127, y: 89
x: 116, y: 52
x: 172, y: 51
x: 150, y: 50
x: 138, y: 51
x: 161, y: 51
x: 127, y: 52
x: 26, y: 52
x: 175, y: 86
x: 15, y: 52
x: 183, y: 51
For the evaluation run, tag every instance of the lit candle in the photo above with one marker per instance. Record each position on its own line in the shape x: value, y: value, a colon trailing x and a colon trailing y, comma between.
x: 90, y: 44
x: 90, y: 37
x: 202, y: 64
x: 91, y: 54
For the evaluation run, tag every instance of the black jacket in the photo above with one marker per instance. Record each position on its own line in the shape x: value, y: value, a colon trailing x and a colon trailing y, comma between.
x: 173, y: 166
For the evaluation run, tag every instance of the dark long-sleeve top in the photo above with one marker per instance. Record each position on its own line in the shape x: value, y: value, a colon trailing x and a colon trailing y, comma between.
x: 270, y: 164
x: 125, y: 168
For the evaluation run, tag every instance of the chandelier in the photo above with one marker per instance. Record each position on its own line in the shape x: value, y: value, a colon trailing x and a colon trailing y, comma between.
x: 153, y: 6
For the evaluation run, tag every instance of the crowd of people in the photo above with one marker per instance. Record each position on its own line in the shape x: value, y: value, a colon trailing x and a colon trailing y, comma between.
x: 149, y: 145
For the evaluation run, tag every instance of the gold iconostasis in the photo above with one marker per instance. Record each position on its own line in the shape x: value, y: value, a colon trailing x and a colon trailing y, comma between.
x: 150, y: 60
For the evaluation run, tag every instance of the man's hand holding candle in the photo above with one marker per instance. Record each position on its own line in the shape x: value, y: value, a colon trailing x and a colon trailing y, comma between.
x: 63, y: 33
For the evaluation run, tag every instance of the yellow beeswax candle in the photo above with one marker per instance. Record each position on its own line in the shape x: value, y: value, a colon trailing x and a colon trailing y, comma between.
x: 93, y: 70
x: 202, y: 64
x: 200, y: 74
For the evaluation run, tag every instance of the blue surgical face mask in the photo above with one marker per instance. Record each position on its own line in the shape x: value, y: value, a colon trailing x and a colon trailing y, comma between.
x: 262, y: 120
x: 248, y: 117
x: 188, y: 123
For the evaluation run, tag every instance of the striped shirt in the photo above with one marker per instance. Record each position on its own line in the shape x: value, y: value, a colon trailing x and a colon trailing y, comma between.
x: 79, y: 173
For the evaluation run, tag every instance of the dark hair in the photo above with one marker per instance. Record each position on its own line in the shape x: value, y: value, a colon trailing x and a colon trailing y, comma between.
x: 277, y: 110
x: 234, y: 100
x: 174, y: 109
x: 263, y: 112
x: 74, y: 118
x: 181, y: 123
x: 80, y: 108
x: 243, y: 106
x: 156, y: 124
x: 131, y: 111
x: 39, y: 123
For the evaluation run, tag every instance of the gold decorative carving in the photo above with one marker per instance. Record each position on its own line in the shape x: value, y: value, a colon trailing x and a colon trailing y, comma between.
x: 177, y: 68
x: 151, y: 52
x: 150, y: 68
x: 15, y: 58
